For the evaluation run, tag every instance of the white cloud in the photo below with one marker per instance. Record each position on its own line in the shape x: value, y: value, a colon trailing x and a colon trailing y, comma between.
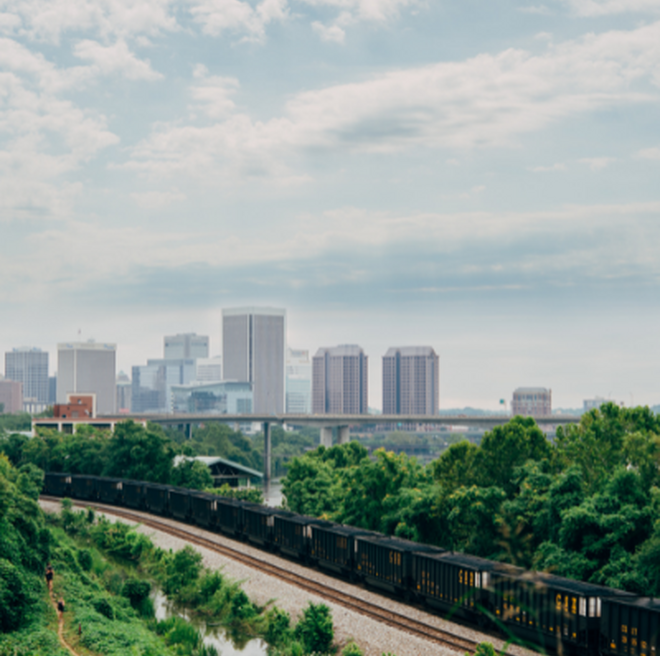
x: 155, y: 200
x: 604, y: 7
x: 559, y: 166
x: 597, y: 163
x: 542, y: 10
x: 486, y: 101
x: 218, y: 16
x: 48, y: 20
x: 333, y: 33
x: 212, y: 94
x: 115, y: 59
x: 649, y: 153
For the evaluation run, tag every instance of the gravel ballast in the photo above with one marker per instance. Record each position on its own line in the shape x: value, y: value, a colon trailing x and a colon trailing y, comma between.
x: 373, y: 637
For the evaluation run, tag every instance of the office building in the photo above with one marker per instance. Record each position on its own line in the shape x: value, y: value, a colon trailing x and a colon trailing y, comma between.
x: 594, y: 404
x: 88, y: 368
x: 298, y: 382
x: 339, y: 380
x: 254, y: 351
x: 11, y: 396
x: 152, y: 383
x: 209, y: 370
x: 411, y: 381
x: 185, y: 346
x: 224, y: 397
x: 124, y: 393
x: 29, y: 366
x: 532, y: 402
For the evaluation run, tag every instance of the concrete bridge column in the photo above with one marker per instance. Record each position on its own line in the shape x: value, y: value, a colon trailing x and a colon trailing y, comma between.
x: 343, y: 435
x: 267, y: 453
x: 326, y: 436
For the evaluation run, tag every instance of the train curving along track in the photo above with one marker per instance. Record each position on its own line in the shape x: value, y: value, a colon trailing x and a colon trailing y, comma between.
x: 373, y: 611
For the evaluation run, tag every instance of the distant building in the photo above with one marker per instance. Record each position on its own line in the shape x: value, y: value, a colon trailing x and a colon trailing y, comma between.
x: 254, y: 351
x: 29, y: 366
x: 594, y: 404
x: 224, y: 397
x: 88, y: 368
x: 532, y: 402
x: 52, y: 389
x: 339, y: 380
x: 209, y: 370
x: 11, y: 396
x: 124, y: 392
x: 152, y: 383
x: 78, y: 406
x: 298, y: 382
x: 185, y: 346
x: 411, y: 381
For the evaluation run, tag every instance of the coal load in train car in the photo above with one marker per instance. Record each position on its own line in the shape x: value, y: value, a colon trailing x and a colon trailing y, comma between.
x: 83, y: 487
x: 630, y: 627
x: 57, y: 484
x: 157, y: 498
x: 456, y: 583
x: 203, y: 508
x: 229, y: 516
x: 180, y: 506
x: 386, y: 562
x: 109, y: 490
x: 260, y: 522
x: 292, y: 533
x: 333, y: 547
x: 551, y: 611
x: 133, y: 494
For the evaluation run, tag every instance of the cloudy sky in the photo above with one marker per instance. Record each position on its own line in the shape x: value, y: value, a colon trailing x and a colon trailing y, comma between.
x: 479, y: 175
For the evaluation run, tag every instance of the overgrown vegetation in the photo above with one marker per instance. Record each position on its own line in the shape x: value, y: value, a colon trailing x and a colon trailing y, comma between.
x: 586, y: 506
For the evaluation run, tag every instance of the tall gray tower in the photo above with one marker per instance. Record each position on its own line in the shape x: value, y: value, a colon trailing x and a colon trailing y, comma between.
x: 339, y: 381
x: 410, y: 381
x: 254, y: 351
x: 30, y: 367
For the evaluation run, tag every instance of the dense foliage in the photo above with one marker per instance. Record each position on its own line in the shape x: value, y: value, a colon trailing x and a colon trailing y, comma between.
x: 586, y: 506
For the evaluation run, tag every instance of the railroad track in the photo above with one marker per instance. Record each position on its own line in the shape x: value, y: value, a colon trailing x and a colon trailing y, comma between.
x: 389, y: 617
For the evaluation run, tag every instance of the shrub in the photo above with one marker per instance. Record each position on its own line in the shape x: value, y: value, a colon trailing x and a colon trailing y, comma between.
x: 104, y: 607
x: 315, y: 630
x: 13, y: 597
x: 278, y: 628
x: 136, y: 591
x: 351, y: 649
x: 484, y: 649
x: 183, y: 568
x: 85, y: 560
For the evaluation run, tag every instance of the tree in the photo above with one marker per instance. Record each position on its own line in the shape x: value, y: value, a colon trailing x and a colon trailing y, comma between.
x: 315, y: 629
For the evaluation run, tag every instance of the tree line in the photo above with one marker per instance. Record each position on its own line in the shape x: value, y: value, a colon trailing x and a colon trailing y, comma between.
x: 585, y: 506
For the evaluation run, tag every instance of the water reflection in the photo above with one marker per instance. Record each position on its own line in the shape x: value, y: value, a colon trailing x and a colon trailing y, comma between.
x: 273, y: 493
x: 214, y: 636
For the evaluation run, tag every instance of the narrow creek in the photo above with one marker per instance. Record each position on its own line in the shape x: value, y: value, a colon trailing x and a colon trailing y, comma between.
x: 212, y: 636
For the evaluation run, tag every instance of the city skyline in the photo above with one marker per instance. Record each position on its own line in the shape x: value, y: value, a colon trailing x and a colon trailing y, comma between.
x: 479, y: 178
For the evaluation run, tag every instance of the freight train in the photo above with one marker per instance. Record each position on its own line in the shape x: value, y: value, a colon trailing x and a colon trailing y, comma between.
x: 534, y: 608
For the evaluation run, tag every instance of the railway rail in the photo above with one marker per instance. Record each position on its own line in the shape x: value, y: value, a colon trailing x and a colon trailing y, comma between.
x: 373, y: 611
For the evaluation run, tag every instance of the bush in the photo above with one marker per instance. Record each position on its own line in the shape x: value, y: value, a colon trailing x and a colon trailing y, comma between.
x: 85, y: 560
x: 351, y: 649
x: 484, y: 649
x: 13, y: 597
x: 183, y: 568
x: 278, y: 629
x: 104, y: 607
x: 315, y: 629
x: 136, y: 591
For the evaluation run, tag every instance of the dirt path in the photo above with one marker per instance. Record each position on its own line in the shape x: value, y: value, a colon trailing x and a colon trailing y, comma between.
x: 60, y: 628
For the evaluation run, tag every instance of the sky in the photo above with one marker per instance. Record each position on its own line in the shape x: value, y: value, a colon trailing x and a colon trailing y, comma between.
x: 481, y: 176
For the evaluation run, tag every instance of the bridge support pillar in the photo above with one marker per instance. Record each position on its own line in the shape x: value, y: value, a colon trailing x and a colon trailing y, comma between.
x: 343, y: 435
x: 267, y: 453
x: 326, y: 436
x: 189, y: 428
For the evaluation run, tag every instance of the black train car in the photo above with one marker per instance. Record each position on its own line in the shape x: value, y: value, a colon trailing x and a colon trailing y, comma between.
x: 292, y: 533
x: 57, y: 484
x: 229, y: 516
x: 157, y: 498
x: 630, y: 627
x: 109, y: 490
x: 180, y: 506
x: 260, y: 523
x: 333, y: 547
x: 133, y: 494
x: 83, y: 487
x: 386, y: 562
x: 203, y: 508
x: 454, y: 582
x: 547, y: 610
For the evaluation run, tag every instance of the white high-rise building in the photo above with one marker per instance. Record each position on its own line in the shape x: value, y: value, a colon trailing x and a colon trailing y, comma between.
x: 298, y: 382
x: 254, y: 351
x: 185, y: 346
x: 209, y: 370
x: 29, y: 366
x: 88, y: 367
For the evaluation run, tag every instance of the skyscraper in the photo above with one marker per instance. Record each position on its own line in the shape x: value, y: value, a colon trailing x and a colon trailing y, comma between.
x: 298, y: 382
x: 254, y: 351
x: 30, y: 367
x: 532, y: 402
x: 88, y: 368
x: 410, y: 381
x: 339, y: 380
x: 186, y: 345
